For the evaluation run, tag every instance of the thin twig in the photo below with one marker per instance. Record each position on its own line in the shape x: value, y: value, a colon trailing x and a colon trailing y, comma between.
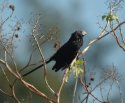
x: 102, y: 81
x: 4, y: 73
x: 101, y: 92
x: 74, y: 93
x: 5, y: 93
x: 28, y: 64
x: 120, y: 91
x: 8, y: 67
x: 36, y: 91
x: 84, y: 75
x: 44, y: 62
x: 116, y: 38
x: 109, y: 90
x: 14, y: 96
x: 120, y: 31
x: 7, y: 18
x: 61, y: 86
x: 88, y: 92
x: 102, y: 34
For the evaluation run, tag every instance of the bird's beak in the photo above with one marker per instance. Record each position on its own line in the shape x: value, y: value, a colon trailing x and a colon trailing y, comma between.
x: 84, y: 33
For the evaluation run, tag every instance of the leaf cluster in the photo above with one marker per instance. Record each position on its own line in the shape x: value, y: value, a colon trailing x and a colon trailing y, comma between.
x: 76, y: 69
x: 110, y: 17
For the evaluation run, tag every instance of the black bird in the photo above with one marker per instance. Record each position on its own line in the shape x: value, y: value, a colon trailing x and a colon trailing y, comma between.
x: 66, y: 54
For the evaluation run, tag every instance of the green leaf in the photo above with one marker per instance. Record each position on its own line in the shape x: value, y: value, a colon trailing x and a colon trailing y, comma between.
x: 76, y: 69
x: 79, y: 62
x: 68, y: 75
x: 110, y: 17
x: 78, y: 72
x: 115, y: 17
x: 103, y: 17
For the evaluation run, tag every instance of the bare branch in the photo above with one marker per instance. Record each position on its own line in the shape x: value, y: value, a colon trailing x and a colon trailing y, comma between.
x: 5, y: 93
x: 116, y: 38
x: 120, y: 91
x: 74, y: 93
x: 61, y: 86
x: 28, y: 64
x: 14, y: 95
x: 43, y: 59
x: 5, y: 75
x: 102, y: 34
x: 36, y: 91
x: 6, y: 19
x: 8, y: 67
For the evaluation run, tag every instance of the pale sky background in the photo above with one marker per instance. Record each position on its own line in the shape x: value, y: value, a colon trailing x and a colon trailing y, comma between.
x: 68, y: 14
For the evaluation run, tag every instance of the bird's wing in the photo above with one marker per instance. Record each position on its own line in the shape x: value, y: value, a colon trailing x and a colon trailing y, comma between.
x: 63, y: 53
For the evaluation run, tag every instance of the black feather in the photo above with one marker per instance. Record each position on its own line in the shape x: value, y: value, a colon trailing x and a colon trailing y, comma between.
x: 66, y: 54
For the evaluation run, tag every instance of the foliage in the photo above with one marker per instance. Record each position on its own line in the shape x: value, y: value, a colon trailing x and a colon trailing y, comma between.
x: 11, y: 72
x: 76, y: 69
x: 110, y: 17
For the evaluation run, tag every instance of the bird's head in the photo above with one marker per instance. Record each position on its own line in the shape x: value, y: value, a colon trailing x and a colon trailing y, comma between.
x: 78, y: 34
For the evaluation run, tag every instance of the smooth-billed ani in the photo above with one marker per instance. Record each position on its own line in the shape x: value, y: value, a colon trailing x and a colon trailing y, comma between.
x: 66, y: 54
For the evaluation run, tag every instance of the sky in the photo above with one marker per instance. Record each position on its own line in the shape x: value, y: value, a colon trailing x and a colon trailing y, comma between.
x: 69, y: 15
x: 87, y: 15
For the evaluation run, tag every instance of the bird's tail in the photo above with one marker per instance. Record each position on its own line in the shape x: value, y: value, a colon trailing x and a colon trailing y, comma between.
x: 35, y: 68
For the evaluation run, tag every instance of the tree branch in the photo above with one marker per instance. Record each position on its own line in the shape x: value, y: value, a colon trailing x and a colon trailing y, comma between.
x: 102, y: 35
